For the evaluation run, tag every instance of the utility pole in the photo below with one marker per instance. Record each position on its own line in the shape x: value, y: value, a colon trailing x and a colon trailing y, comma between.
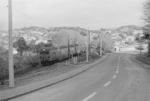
x: 87, y: 47
x: 101, y: 43
x: 11, y: 63
x: 69, y: 48
x: 89, y: 41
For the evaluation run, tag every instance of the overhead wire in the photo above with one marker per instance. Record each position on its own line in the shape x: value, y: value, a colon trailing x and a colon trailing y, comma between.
x: 25, y: 15
x: 2, y: 2
x: 3, y: 7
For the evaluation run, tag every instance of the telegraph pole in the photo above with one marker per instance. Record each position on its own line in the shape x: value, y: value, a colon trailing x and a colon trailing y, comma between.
x: 89, y: 41
x: 87, y: 47
x: 101, y: 44
x: 69, y: 48
x: 11, y: 63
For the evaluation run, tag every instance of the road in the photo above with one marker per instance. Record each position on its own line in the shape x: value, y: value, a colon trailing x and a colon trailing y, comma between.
x: 116, y: 79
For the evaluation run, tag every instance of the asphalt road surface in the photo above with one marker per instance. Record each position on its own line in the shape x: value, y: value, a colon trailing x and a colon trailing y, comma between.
x: 116, y: 79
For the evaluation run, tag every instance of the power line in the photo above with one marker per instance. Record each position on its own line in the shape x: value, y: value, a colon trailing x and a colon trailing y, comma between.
x: 3, y: 1
x: 23, y: 14
x: 3, y: 8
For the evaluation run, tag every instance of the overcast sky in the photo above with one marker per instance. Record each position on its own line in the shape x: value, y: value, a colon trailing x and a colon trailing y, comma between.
x: 94, y: 14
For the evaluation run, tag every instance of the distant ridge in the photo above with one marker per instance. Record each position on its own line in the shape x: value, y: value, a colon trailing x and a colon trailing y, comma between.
x: 41, y: 33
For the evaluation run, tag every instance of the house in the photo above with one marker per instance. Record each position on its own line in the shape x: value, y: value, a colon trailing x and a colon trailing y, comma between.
x: 116, y: 48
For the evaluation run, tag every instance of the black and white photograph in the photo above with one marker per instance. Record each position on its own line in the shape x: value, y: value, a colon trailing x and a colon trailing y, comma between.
x: 74, y: 50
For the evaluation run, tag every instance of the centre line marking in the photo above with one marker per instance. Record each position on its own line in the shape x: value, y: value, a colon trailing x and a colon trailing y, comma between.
x: 118, y: 61
x: 114, y: 76
x: 117, y: 71
x: 107, y: 83
x: 90, y: 96
x: 118, y: 65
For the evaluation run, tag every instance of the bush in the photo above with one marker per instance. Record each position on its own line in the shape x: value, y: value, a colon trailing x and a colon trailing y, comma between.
x: 3, y: 68
x: 19, y: 64
x: 94, y: 56
x: 26, y: 62
x: 139, y: 47
x: 22, y: 64
x: 33, y: 61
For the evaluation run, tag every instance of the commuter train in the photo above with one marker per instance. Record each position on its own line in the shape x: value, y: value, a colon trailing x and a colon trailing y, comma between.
x: 50, y: 56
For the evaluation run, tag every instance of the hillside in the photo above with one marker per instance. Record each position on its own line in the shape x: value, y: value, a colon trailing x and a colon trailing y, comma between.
x: 39, y: 34
x: 125, y: 35
x: 121, y: 35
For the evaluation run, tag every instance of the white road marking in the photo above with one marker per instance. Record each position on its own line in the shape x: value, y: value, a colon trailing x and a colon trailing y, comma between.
x: 90, y: 96
x: 118, y: 62
x: 114, y: 76
x: 118, y: 65
x: 107, y: 83
x: 119, y: 58
x: 117, y: 71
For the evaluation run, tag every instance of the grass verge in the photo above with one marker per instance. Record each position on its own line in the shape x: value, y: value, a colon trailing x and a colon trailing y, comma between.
x: 47, y: 72
x: 143, y: 58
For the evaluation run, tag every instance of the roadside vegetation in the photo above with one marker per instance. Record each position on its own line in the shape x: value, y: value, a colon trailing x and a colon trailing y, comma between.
x: 28, y: 56
x: 146, y: 36
x: 143, y: 58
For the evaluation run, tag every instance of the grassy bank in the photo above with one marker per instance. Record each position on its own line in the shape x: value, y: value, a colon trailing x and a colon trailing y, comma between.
x: 41, y: 73
x: 143, y: 58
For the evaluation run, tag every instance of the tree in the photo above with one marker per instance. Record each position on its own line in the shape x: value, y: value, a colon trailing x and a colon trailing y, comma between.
x: 146, y: 37
x: 39, y: 47
x: 146, y: 11
x: 140, y: 47
x: 21, y: 45
x: 32, y: 45
x: 61, y: 38
x: 140, y: 40
x: 1, y: 49
x: 49, y: 44
x: 107, y: 42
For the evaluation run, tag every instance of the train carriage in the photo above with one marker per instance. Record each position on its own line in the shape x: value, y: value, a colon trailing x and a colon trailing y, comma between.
x: 51, y: 55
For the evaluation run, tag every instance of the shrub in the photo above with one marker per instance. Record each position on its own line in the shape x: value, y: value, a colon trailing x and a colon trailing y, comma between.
x: 19, y: 64
x: 3, y: 68
x: 22, y: 64
x: 26, y: 62
x: 139, y: 47
x: 33, y: 61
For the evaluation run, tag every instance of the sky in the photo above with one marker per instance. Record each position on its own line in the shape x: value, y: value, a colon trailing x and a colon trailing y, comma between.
x: 93, y: 14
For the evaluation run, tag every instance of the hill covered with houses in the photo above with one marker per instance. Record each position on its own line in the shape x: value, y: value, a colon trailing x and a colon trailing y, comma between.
x: 124, y: 35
